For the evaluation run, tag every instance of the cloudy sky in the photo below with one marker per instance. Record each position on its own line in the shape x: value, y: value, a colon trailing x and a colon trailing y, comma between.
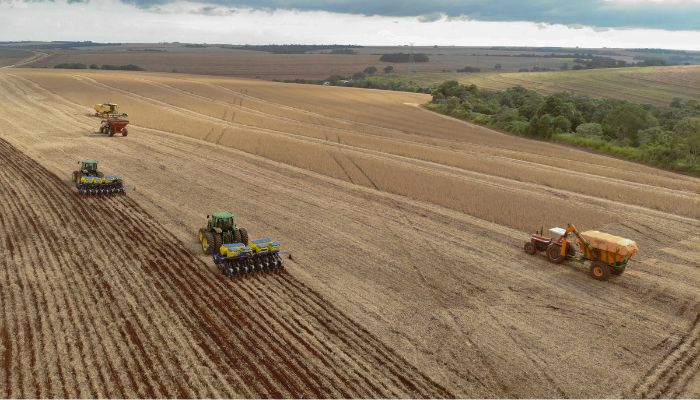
x: 586, y: 23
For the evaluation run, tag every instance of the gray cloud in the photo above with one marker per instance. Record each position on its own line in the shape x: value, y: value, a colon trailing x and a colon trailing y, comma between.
x: 675, y: 15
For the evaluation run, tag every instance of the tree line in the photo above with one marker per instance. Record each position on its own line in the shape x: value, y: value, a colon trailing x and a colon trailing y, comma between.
x: 667, y: 137
x: 127, y: 67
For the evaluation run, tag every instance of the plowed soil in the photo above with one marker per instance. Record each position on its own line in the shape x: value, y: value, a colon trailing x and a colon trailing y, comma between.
x: 406, y: 228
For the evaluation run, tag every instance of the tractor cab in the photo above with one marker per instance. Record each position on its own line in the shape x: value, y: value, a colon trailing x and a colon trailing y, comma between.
x: 88, y: 167
x: 222, y: 220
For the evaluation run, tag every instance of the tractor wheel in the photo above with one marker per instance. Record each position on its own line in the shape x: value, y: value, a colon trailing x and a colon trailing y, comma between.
x: 529, y: 248
x: 617, y: 270
x: 244, y: 235
x: 217, y: 244
x: 125, y: 132
x: 206, y: 238
x: 600, y: 271
x: 111, y: 131
x: 554, y: 253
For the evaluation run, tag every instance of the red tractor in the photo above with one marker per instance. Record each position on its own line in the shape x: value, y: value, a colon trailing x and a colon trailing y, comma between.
x: 538, y: 242
x: 114, y: 124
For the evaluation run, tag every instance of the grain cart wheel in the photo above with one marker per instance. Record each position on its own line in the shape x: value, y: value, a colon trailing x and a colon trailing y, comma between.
x: 554, y: 253
x: 529, y: 248
x: 244, y: 235
x: 206, y: 238
x: 617, y: 270
x: 125, y: 132
x: 111, y: 131
x: 600, y: 271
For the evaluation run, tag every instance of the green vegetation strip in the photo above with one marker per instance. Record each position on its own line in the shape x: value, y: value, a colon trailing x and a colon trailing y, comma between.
x: 663, y: 136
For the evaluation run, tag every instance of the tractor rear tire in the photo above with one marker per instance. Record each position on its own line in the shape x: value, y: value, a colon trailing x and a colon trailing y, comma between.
x: 529, y: 248
x: 600, y: 271
x: 206, y: 239
x: 244, y: 235
x: 217, y: 244
x: 554, y: 253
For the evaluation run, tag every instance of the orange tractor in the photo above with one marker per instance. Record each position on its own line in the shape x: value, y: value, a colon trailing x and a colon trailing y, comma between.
x: 607, y: 254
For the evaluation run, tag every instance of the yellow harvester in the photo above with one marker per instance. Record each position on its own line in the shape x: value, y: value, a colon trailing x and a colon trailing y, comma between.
x: 108, y: 109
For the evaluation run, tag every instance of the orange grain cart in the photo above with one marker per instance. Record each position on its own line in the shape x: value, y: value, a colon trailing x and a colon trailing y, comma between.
x: 113, y: 125
x: 608, y: 254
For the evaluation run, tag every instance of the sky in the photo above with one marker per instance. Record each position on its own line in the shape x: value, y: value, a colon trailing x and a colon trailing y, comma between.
x: 673, y: 24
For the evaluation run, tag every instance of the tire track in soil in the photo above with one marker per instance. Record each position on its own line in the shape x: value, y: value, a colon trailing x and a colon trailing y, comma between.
x: 361, y: 337
x: 23, y: 171
x: 671, y: 375
x: 78, y: 217
x: 6, y: 354
x: 41, y: 293
x: 351, y: 362
x: 188, y: 281
x: 317, y: 347
x: 31, y: 296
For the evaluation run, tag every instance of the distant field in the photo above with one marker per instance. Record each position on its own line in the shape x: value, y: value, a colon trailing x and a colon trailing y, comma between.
x: 648, y: 85
x: 11, y: 56
x: 653, y: 85
x: 214, y: 60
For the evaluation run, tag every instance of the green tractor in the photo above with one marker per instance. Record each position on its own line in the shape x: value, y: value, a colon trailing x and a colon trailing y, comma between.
x: 87, y: 168
x: 88, y: 180
x: 221, y: 229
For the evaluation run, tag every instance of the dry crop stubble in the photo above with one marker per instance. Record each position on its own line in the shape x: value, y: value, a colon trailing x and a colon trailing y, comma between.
x: 259, y: 142
x: 417, y: 275
x: 159, y: 304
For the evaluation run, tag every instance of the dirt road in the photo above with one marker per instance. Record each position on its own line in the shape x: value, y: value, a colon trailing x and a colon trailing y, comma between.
x: 410, y: 223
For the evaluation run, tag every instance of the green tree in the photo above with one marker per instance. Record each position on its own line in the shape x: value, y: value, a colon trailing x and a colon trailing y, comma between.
x: 688, y: 130
x: 370, y: 70
x: 625, y: 122
x: 560, y: 124
x: 541, y: 127
x: 589, y: 129
x: 557, y: 104
x: 388, y: 69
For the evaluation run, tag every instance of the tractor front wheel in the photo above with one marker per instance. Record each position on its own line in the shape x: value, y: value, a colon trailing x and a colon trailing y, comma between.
x: 600, y: 271
x: 554, y: 253
x: 529, y: 248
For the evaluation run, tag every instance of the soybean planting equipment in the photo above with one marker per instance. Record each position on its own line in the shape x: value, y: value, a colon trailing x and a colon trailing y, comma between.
x: 89, y: 181
x: 231, y: 250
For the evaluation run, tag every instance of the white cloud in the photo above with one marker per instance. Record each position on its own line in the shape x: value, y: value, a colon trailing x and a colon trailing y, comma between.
x: 198, y: 22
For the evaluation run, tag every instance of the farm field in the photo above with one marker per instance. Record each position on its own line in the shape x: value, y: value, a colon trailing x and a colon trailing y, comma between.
x: 215, y: 60
x: 12, y: 56
x: 406, y: 229
x: 644, y: 85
